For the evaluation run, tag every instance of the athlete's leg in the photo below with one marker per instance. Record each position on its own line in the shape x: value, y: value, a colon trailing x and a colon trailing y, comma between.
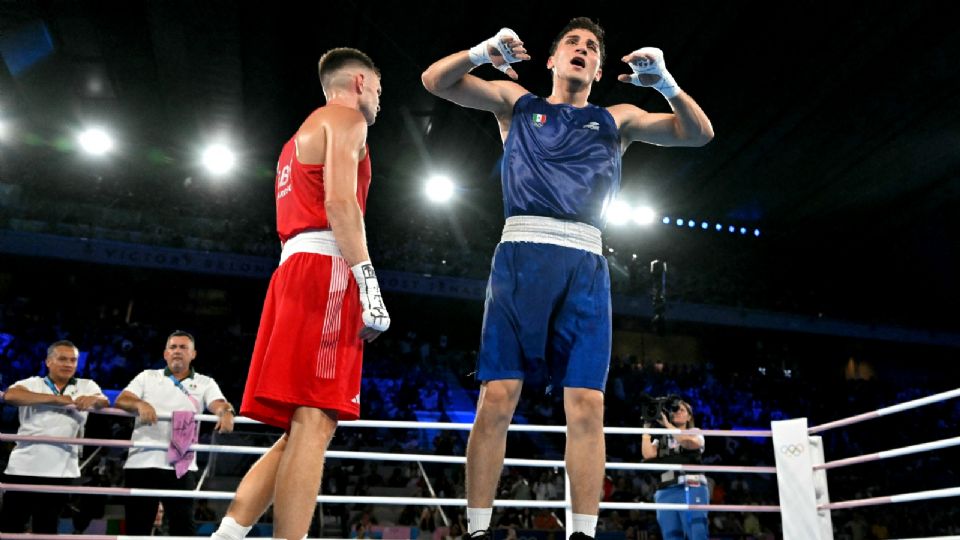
x: 585, y: 452
x: 255, y: 493
x: 488, y: 440
x: 300, y: 470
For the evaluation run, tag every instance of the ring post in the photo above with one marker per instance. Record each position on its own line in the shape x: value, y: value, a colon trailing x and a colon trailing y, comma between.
x: 798, y: 500
x: 820, y: 488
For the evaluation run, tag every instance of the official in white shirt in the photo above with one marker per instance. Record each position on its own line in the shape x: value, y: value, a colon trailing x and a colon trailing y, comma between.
x: 163, y: 391
x: 55, y: 405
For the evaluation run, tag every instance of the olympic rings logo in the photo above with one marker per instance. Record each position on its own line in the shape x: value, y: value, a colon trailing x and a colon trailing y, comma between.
x: 792, y: 450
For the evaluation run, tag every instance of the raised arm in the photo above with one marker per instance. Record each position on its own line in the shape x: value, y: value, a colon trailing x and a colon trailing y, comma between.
x: 688, y: 125
x: 450, y: 79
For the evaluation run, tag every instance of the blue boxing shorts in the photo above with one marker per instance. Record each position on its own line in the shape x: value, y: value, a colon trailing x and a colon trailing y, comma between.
x: 547, y: 314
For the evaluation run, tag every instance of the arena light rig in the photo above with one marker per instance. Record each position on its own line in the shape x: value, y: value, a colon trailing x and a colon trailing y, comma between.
x: 95, y: 141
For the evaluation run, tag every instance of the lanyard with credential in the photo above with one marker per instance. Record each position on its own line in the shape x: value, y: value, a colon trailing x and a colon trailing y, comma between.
x: 54, y: 387
x: 179, y: 385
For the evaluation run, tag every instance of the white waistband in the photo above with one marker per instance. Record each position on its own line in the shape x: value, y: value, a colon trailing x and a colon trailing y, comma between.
x: 321, y: 242
x: 546, y: 230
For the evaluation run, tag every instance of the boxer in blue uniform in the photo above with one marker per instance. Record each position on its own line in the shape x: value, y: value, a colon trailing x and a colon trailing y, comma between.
x: 548, y: 297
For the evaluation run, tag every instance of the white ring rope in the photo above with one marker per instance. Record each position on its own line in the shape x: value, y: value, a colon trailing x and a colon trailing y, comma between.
x: 384, y: 456
x: 903, y: 497
x: 414, y: 501
x: 562, y: 504
x: 467, y: 426
x: 906, y: 405
x: 885, y: 454
x: 464, y: 426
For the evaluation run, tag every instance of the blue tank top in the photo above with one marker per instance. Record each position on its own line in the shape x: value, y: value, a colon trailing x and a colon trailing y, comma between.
x: 560, y: 161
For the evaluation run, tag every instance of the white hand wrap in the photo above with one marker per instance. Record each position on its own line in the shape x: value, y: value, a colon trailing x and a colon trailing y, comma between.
x: 642, y: 66
x: 480, y: 53
x: 374, y: 313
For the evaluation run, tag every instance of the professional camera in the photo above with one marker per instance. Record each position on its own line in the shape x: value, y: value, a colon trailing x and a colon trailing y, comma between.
x: 652, y: 407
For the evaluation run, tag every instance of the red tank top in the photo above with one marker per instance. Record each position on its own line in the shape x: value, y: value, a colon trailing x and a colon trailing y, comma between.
x: 300, y: 195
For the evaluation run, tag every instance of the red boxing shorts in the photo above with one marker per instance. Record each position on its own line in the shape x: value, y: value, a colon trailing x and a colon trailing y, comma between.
x: 308, y: 351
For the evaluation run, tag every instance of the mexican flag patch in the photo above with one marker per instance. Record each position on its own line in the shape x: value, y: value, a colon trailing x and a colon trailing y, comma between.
x: 539, y: 120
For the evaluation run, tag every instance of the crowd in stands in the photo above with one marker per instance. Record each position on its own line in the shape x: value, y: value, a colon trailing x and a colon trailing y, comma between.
x: 704, y: 268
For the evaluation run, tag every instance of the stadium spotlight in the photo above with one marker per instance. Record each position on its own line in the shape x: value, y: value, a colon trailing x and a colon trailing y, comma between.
x: 618, y: 213
x: 756, y: 232
x: 218, y: 159
x: 731, y: 228
x: 679, y: 222
x: 95, y: 141
x: 666, y: 220
x: 704, y: 225
x: 439, y: 188
x: 691, y: 224
x: 719, y: 227
x: 644, y: 215
x: 743, y: 230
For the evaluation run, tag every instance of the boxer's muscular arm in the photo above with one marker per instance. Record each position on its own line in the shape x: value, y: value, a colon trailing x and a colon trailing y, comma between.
x: 688, y: 125
x: 449, y: 77
x: 344, y: 134
x: 336, y: 138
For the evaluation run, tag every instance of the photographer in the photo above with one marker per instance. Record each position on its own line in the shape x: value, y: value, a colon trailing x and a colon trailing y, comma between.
x: 677, y: 486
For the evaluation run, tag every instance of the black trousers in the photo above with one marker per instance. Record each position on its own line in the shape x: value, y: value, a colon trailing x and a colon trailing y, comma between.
x: 43, y: 508
x: 142, y: 511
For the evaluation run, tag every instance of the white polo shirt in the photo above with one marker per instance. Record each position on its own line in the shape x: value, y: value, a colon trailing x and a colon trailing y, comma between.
x: 159, y: 390
x: 45, y: 459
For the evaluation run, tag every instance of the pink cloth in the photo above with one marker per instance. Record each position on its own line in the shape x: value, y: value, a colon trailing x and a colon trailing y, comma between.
x: 184, y: 434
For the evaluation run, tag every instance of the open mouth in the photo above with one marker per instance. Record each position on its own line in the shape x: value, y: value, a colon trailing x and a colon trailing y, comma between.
x: 578, y: 61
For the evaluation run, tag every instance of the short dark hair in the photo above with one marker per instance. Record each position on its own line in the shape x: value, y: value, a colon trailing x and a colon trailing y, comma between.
x: 61, y: 343
x: 584, y: 23
x: 181, y: 333
x: 334, y: 60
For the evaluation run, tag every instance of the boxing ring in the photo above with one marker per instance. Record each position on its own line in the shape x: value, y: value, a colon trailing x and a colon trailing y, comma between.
x: 804, y: 516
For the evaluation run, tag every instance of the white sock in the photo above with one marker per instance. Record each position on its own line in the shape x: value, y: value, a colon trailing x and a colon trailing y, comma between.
x: 478, y: 519
x: 585, y: 524
x: 231, y: 530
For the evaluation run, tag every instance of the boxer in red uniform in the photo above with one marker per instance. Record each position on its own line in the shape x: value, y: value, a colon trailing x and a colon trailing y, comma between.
x: 305, y: 371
